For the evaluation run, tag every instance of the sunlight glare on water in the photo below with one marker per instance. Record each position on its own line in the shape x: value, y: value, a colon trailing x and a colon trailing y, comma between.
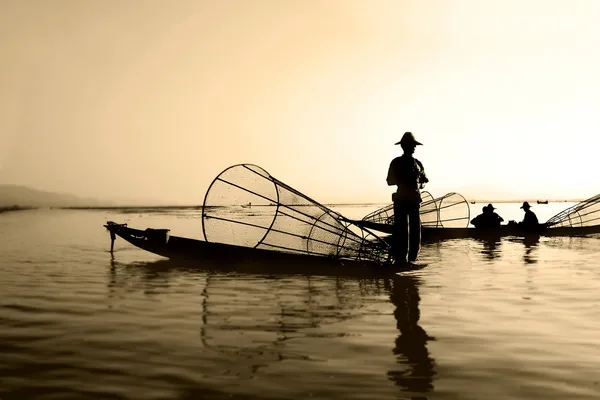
x: 513, y: 319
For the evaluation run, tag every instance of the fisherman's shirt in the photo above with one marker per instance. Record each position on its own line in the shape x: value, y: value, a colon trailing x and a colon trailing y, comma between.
x: 408, y: 174
x: 530, y: 219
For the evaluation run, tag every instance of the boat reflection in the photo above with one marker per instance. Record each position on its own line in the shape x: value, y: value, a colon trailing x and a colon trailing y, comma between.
x: 249, y: 323
x: 410, y: 346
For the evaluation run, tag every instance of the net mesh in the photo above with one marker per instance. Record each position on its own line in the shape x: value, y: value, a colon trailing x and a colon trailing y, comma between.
x: 246, y: 206
x: 585, y: 213
x: 453, y: 211
x: 449, y: 211
x: 429, y: 210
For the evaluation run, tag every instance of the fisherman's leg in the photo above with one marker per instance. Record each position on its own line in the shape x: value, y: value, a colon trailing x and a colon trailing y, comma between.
x: 414, y: 220
x: 400, y: 236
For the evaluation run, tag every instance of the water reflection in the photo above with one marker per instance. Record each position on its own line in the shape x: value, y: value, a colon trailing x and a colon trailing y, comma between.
x: 249, y: 323
x: 531, y: 244
x: 410, y: 346
x: 491, y: 247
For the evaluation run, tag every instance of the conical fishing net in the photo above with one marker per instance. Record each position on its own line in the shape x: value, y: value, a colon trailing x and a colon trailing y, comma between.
x: 246, y: 206
x: 449, y: 211
x: 385, y: 215
x: 429, y: 210
x: 453, y: 211
x: 585, y: 213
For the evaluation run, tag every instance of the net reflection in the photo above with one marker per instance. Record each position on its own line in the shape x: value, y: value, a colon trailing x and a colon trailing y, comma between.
x: 304, y: 332
x: 410, y: 347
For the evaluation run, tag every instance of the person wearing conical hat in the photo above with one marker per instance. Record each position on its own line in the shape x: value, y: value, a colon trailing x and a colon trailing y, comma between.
x: 408, y: 174
x: 487, y: 219
x: 530, y: 220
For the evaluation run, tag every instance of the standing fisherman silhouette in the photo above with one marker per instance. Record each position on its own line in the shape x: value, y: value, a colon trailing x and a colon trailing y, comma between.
x: 408, y: 174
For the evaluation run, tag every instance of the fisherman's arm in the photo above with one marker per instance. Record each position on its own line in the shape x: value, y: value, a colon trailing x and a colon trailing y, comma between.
x: 391, y: 176
x: 422, y: 175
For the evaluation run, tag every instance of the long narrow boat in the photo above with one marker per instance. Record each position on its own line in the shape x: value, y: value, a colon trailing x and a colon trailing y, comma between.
x: 447, y: 217
x: 440, y: 234
x: 298, y: 231
x: 241, y: 258
x: 429, y: 234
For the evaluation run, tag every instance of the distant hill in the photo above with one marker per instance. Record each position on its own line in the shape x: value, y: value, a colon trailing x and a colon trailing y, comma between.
x: 24, y: 196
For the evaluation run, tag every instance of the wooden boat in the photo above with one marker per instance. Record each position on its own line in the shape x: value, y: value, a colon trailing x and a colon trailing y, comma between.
x: 542, y: 201
x: 440, y: 234
x: 241, y: 258
x: 299, y: 231
x: 432, y: 234
x: 579, y: 220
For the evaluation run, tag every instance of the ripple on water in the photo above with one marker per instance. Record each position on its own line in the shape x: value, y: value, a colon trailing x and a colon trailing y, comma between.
x: 507, y: 320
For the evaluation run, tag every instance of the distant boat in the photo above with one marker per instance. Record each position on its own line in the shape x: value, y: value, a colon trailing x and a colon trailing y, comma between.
x: 473, y: 202
x: 542, y: 201
x: 247, y: 205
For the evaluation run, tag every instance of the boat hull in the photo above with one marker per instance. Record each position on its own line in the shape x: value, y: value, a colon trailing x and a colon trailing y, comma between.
x: 247, y: 259
x: 242, y: 259
x: 440, y: 234
x: 430, y: 234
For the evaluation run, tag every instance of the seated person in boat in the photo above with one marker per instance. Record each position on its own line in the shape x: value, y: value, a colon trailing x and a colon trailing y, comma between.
x: 487, y: 219
x: 530, y: 219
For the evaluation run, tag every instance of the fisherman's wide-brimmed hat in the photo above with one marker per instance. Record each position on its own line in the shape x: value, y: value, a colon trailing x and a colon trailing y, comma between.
x: 525, y: 205
x: 409, y: 138
x: 491, y: 207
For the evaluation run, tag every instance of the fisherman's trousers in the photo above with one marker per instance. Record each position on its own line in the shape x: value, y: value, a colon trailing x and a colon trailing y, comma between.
x: 406, y: 239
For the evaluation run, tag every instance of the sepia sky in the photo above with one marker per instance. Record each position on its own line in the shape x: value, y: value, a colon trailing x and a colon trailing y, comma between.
x: 152, y: 99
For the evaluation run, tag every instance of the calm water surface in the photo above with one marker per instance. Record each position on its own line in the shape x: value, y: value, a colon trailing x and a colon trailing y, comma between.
x: 512, y: 319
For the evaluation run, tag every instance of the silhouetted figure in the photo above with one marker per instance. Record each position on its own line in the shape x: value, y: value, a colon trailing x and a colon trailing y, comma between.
x: 410, y: 347
x: 488, y: 219
x: 408, y: 174
x: 530, y: 220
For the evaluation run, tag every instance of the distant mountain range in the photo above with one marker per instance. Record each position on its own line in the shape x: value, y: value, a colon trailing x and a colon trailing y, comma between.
x: 23, y: 196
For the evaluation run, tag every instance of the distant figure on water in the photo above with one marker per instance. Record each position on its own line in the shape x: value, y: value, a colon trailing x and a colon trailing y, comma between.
x: 487, y: 219
x: 530, y: 220
x: 408, y: 174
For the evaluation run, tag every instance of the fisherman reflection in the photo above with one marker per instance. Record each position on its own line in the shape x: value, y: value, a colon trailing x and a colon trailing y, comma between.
x: 491, y: 246
x: 487, y: 219
x: 531, y: 243
x: 411, y: 345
